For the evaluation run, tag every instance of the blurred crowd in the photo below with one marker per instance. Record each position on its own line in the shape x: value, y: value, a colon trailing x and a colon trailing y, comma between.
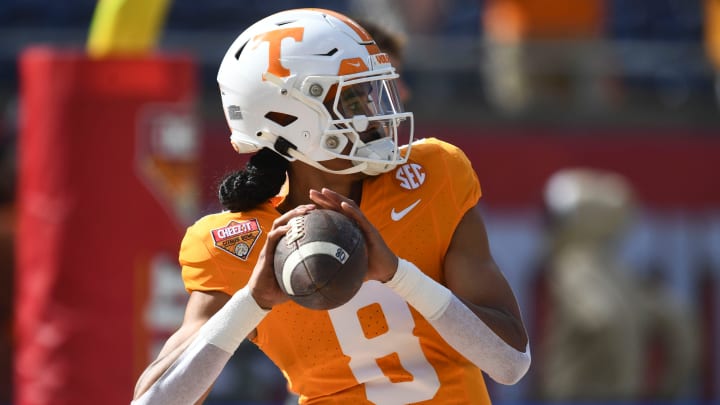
x: 561, y: 61
x: 594, y: 60
x: 600, y: 333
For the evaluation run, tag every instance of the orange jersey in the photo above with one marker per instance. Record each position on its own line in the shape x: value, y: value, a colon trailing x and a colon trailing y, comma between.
x: 375, y: 348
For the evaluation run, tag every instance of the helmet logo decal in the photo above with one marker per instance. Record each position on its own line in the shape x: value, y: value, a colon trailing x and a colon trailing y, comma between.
x: 352, y: 65
x: 380, y: 59
x: 274, y: 40
x: 234, y: 112
x: 411, y: 176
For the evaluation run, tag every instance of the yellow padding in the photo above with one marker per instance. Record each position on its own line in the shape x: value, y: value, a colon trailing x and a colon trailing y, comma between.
x: 126, y: 27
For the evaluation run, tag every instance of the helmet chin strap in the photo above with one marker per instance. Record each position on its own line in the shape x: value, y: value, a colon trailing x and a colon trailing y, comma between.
x: 271, y: 139
x: 350, y: 170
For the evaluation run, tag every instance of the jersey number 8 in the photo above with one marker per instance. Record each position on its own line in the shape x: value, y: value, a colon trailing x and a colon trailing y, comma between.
x: 364, y: 351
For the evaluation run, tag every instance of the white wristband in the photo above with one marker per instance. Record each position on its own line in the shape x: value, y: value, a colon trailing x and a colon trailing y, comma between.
x: 458, y: 325
x: 426, y: 295
x: 233, y: 322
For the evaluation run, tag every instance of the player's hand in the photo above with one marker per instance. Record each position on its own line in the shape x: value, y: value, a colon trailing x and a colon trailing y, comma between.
x: 263, y: 284
x: 382, y: 262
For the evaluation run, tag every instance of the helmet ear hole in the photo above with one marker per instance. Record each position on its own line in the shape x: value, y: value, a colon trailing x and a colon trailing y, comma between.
x: 281, y: 119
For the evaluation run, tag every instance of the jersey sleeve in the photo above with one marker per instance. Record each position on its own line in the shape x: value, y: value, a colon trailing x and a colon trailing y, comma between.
x: 465, y: 185
x: 200, y: 270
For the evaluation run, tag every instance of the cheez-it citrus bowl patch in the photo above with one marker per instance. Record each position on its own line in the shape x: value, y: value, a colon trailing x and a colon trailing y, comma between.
x: 237, y: 237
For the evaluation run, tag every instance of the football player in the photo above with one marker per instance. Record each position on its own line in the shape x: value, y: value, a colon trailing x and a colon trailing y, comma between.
x: 309, y: 93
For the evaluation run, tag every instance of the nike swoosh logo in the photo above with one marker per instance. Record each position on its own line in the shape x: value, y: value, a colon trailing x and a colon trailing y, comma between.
x: 355, y: 64
x: 398, y: 215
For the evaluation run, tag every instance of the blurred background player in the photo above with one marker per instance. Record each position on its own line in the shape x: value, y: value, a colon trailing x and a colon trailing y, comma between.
x: 712, y: 40
x: 525, y: 39
x: 607, y: 336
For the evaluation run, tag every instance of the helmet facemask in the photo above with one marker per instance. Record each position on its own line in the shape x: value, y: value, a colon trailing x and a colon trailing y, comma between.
x: 368, y: 124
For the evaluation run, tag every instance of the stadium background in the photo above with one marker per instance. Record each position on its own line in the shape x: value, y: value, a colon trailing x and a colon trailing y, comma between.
x: 622, y: 85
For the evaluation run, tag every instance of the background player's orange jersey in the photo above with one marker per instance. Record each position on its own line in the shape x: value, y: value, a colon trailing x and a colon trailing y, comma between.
x: 374, y: 348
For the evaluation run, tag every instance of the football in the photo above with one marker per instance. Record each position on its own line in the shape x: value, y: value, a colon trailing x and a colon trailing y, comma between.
x: 320, y: 263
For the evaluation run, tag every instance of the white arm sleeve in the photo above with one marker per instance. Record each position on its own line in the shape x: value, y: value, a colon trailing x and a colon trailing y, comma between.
x: 459, y: 326
x: 198, y: 366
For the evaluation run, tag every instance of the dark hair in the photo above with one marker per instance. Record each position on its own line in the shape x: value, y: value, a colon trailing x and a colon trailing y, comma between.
x: 261, y: 179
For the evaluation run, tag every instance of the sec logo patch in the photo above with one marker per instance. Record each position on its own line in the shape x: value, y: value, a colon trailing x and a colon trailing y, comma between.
x: 237, y: 237
x: 410, y: 175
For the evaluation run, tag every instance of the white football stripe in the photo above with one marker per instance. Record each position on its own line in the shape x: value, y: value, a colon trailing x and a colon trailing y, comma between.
x: 307, y: 250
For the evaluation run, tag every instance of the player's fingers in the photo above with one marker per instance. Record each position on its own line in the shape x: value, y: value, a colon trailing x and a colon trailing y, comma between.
x: 354, y: 212
x: 325, y: 200
x: 274, y: 236
x: 330, y: 199
x: 281, y: 226
x: 297, y: 211
x: 336, y: 197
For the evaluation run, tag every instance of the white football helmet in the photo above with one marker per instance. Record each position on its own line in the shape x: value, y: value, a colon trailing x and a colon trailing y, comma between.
x: 312, y: 85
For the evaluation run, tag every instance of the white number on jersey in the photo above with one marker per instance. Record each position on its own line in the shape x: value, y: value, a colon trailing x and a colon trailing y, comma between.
x: 398, y: 339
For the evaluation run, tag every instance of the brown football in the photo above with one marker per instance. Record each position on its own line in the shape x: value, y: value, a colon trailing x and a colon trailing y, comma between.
x: 321, y: 261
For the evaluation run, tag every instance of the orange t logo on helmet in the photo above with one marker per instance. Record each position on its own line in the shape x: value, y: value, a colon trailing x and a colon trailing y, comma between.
x: 274, y: 40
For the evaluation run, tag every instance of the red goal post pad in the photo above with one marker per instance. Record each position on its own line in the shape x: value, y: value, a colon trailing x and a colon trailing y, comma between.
x: 107, y: 179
